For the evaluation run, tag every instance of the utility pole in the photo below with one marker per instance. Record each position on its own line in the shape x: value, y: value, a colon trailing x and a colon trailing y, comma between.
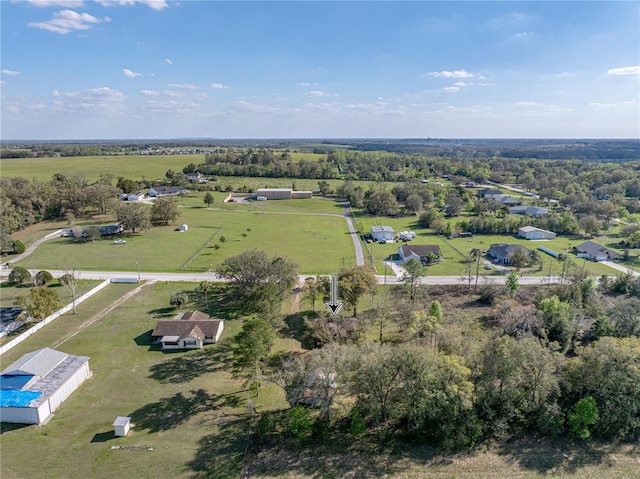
x: 138, y: 266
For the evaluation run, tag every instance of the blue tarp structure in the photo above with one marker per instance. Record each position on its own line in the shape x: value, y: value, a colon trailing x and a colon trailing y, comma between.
x: 10, y: 398
x: 11, y: 394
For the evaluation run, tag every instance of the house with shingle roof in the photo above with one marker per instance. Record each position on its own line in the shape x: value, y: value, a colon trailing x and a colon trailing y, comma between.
x: 426, y: 254
x: 189, y: 330
x: 595, y: 252
x: 503, y: 252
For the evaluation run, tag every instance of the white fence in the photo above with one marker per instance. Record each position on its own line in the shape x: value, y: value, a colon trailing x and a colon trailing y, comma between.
x: 48, y: 319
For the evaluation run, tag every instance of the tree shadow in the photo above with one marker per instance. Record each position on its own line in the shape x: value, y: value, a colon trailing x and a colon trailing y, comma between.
x: 172, y: 411
x: 186, y: 367
x: 220, y: 455
x: 168, y: 312
x: 552, y: 457
x: 104, y: 436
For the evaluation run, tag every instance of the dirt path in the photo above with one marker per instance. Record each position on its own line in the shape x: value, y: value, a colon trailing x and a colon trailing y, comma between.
x: 97, y: 317
x: 295, y: 303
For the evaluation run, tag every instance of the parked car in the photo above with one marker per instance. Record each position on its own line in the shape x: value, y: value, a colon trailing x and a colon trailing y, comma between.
x: 119, y: 241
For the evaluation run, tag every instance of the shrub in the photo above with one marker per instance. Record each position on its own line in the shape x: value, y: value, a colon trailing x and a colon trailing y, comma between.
x: 18, y: 247
x: 20, y: 275
x: 42, y: 278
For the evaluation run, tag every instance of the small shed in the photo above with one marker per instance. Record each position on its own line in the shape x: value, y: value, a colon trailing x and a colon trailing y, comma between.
x: 183, y: 228
x: 121, y: 425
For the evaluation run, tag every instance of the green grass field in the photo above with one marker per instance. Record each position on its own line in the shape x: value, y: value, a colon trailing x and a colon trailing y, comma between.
x: 134, y: 167
x: 184, y: 405
x: 317, y: 243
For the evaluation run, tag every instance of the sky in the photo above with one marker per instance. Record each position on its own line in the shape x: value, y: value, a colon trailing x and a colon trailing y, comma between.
x: 156, y: 69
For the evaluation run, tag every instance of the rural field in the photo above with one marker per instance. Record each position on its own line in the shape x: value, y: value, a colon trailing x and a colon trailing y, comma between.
x: 185, y: 406
x: 135, y: 167
x: 191, y: 418
x: 299, y: 229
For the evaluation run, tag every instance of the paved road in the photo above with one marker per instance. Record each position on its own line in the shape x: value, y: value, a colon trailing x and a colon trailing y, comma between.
x: 621, y: 268
x: 354, y: 236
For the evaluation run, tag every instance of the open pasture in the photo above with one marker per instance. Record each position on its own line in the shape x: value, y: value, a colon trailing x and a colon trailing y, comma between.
x: 318, y: 243
x: 189, y: 414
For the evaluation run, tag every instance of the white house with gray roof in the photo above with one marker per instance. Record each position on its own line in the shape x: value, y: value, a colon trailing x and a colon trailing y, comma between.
x: 33, y: 387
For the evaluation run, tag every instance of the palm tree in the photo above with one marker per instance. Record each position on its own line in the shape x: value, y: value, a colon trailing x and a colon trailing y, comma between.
x: 476, y: 254
x: 179, y: 299
x: 205, y: 287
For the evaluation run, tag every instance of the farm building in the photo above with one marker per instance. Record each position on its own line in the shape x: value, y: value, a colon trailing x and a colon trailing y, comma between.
x: 282, y: 194
x: 503, y: 252
x: 508, y: 201
x: 426, y: 254
x: 159, y: 191
x: 33, y: 387
x: 595, y: 252
x: 190, y: 330
x: 196, y: 177
x: 533, y: 233
x: 382, y: 233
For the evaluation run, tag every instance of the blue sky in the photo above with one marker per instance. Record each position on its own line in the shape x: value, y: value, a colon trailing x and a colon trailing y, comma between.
x: 119, y: 69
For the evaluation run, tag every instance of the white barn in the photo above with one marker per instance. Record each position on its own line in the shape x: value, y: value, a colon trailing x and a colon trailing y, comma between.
x: 33, y: 387
x: 382, y: 233
x: 533, y: 233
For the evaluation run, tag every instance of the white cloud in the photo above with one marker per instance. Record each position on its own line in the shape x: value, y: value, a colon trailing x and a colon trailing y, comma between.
x: 155, y: 4
x: 451, y: 89
x: 633, y: 70
x: 219, y: 86
x: 130, y: 73
x: 170, y: 107
x: 66, y: 21
x: 252, y: 107
x: 186, y: 86
x: 167, y: 60
x: 12, y: 108
x: 56, y: 92
x: 522, y: 35
x: 527, y: 103
x: 3, y: 83
x: 463, y: 84
x: 602, y: 105
x: 453, y: 74
x: 319, y: 93
x: 10, y: 72
x: 150, y: 92
x: 97, y: 95
x: 57, y: 3
x: 173, y: 93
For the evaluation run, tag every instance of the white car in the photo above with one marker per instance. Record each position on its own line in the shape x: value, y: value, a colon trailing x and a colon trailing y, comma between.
x: 119, y: 242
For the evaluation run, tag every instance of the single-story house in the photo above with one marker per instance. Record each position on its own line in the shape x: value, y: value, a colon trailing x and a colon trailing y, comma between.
x: 509, y: 201
x: 490, y: 193
x: 595, y: 252
x: 33, y: 387
x: 190, y: 330
x: 159, y: 191
x: 503, y: 252
x: 196, y: 177
x: 533, y: 211
x: 427, y: 253
x: 533, y: 233
x: 383, y: 233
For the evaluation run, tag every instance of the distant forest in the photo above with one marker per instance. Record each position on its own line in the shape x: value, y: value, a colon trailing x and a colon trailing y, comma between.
x: 548, y: 149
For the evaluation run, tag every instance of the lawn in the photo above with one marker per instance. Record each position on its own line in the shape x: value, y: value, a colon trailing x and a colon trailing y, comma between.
x: 9, y: 292
x: 317, y: 243
x: 185, y: 405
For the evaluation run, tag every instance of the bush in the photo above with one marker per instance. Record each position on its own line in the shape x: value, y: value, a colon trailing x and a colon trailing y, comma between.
x: 19, y: 247
x: 42, y: 278
x: 300, y: 422
x: 20, y: 275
